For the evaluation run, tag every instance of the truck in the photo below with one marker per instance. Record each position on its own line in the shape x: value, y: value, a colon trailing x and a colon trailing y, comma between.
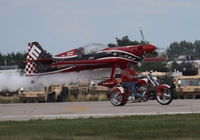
x: 59, y: 92
x: 56, y: 93
x: 187, y: 86
x: 40, y: 93
x: 32, y: 94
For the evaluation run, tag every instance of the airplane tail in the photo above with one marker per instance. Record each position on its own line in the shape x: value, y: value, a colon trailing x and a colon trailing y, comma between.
x: 37, y: 60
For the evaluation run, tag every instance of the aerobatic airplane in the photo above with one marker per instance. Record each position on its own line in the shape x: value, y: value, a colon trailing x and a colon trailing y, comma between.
x: 88, y: 57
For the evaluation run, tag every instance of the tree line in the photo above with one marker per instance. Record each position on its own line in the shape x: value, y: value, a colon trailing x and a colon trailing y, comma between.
x: 174, y: 50
x: 13, y: 59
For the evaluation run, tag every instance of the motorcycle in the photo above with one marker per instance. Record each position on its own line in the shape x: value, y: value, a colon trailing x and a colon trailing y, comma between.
x: 120, y: 94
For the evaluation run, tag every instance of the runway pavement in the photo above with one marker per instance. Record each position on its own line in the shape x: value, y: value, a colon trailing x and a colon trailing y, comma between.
x: 94, y: 109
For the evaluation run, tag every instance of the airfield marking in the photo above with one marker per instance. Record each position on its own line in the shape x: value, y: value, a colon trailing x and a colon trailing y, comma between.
x: 77, y: 108
x: 74, y: 109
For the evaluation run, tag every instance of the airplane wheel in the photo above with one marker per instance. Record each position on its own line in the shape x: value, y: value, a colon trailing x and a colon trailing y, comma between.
x: 117, y: 98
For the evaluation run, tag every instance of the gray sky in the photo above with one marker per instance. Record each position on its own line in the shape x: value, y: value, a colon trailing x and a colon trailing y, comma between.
x: 61, y: 25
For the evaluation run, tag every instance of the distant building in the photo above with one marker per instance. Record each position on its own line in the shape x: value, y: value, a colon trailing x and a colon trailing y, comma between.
x: 11, y: 69
x: 176, y: 73
x: 186, y: 59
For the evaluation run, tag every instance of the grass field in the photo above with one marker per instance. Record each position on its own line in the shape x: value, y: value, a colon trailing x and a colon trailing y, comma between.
x: 173, y: 127
x: 8, y: 100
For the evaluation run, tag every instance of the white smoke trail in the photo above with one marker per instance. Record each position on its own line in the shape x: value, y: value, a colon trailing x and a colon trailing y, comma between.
x: 13, y: 81
x: 66, y: 78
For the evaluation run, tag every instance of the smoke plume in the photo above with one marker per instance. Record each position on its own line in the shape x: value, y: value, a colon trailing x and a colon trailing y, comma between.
x: 13, y: 81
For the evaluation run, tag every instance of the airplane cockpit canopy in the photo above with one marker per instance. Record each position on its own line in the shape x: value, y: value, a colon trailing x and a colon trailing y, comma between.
x: 92, y: 48
x: 84, y: 50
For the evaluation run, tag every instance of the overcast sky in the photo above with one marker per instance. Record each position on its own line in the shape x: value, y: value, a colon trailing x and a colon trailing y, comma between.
x: 61, y: 25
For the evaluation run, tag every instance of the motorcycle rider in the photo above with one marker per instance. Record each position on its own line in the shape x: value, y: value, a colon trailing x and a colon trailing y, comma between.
x: 129, y: 78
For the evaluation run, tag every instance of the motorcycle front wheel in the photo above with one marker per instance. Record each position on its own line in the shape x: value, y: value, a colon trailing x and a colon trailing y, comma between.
x: 117, y: 99
x: 164, y: 96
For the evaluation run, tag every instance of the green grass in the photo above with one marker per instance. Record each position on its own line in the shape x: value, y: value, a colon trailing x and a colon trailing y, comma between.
x: 163, y: 127
x: 8, y: 100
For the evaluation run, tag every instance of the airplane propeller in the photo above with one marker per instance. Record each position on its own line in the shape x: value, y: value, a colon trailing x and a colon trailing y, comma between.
x: 147, y: 48
x: 157, y: 50
x: 145, y: 43
x: 141, y: 33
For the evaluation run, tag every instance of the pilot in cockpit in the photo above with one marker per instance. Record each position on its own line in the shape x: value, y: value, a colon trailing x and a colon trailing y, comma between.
x: 80, y: 51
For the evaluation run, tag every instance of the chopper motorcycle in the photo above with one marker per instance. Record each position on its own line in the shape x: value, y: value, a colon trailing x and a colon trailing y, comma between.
x: 163, y: 94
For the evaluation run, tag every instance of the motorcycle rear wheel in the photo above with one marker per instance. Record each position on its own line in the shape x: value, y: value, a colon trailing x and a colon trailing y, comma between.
x: 166, y: 98
x: 117, y: 99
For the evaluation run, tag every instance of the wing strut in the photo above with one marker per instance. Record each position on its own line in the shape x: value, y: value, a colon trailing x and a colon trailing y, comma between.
x: 112, y: 81
x: 113, y: 71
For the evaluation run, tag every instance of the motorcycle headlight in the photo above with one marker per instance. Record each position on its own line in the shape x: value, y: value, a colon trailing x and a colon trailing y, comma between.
x: 155, y: 78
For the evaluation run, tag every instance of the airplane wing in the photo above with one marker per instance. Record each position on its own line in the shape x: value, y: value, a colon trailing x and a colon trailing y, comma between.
x: 38, y: 60
x: 91, y: 62
x: 85, y: 62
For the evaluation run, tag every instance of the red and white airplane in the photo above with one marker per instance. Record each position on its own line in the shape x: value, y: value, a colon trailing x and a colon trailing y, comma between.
x: 88, y: 57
